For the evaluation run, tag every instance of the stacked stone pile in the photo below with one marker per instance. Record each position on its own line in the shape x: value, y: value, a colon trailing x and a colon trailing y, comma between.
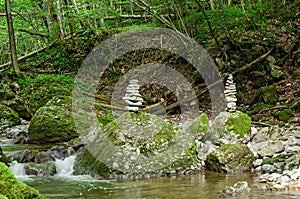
x: 132, y: 97
x: 230, y: 94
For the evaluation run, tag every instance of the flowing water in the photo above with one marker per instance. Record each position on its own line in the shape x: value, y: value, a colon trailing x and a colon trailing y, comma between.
x: 207, y: 185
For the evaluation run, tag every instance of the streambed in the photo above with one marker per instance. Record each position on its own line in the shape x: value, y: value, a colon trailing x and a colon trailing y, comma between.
x: 200, y: 186
x: 207, y: 185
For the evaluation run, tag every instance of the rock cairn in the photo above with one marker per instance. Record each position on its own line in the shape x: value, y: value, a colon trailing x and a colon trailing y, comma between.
x: 230, y: 94
x: 133, y: 98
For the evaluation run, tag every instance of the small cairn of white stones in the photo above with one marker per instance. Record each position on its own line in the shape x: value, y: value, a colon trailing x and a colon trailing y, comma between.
x: 230, y: 94
x: 133, y: 98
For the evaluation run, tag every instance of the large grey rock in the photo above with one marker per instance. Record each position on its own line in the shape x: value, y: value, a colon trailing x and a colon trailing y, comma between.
x: 270, y: 148
x: 138, y: 144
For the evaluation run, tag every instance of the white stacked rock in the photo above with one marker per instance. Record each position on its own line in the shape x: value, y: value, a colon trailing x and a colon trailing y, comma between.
x: 230, y: 94
x: 133, y: 98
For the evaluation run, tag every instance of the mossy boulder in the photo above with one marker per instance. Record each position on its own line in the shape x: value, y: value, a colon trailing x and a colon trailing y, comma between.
x: 8, y: 117
x: 268, y: 94
x: 199, y: 127
x: 53, y: 123
x: 10, y: 187
x: 230, y: 158
x: 138, y: 144
x: 18, y: 104
x: 231, y: 128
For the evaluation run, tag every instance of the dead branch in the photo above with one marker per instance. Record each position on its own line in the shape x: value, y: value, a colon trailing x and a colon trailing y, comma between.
x: 128, y: 17
x: 259, y: 59
x: 293, y: 105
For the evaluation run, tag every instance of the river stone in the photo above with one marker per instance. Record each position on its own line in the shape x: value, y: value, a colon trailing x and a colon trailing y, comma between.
x: 8, y: 117
x: 270, y: 148
x: 46, y: 169
x: 293, y: 162
x: 12, y: 188
x: 230, y: 158
x: 239, y: 188
x: 232, y: 127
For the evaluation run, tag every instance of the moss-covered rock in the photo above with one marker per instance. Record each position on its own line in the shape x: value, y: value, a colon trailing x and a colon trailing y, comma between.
x: 52, y: 124
x: 46, y: 169
x: 8, y: 117
x: 135, y: 144
x: 199, y: 127
x: 269, y: 94
x: 231, y: 127
x: 230, y: 158
x: 18, y: 104
x: 284, y: 115
x: 10, y: 187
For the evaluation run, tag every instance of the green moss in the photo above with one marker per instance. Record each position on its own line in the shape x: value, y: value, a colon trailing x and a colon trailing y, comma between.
x: 8, y: 116
x: 38, y: 91
x: 239, y: 124
x: 285, y: 115
x: 279, y: 158
x: 269, y: 94
x: 10, y: 187
x: 52, y: 124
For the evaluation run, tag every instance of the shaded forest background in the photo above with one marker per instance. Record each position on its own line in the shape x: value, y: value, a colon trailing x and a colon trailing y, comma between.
x: 255, y: 40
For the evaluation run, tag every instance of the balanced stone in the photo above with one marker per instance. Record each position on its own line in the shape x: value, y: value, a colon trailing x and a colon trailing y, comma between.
x: 230, y: 94
x: 132, y: 97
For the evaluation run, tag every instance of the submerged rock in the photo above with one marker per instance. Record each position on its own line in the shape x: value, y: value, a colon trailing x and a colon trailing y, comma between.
x: 239, y: 188
x: 230, y: 158
x: 12, y: 188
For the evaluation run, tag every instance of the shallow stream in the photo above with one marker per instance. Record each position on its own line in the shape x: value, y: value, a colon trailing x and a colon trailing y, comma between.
x: 207, y: 185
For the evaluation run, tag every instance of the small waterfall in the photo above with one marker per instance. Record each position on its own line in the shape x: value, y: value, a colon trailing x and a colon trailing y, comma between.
x: 18, y: 169
x: 65, y: 167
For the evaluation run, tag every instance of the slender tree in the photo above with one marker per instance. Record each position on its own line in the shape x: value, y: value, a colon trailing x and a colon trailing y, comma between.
x: 12, y: 38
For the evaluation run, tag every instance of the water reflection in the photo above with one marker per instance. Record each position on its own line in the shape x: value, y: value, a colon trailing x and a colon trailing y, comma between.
x: 200, y: 186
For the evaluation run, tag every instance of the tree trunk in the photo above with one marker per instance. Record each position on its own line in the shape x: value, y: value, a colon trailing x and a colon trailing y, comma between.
x: 11, y: 34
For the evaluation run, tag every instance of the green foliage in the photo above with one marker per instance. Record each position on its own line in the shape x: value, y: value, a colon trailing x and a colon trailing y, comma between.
x: 105, y: 119
x: 38, y: 91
